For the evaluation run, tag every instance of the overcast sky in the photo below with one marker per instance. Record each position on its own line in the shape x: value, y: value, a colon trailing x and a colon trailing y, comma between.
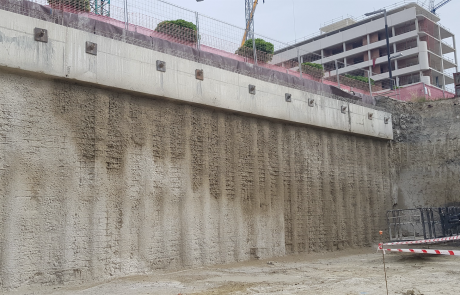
x: 276, y: 18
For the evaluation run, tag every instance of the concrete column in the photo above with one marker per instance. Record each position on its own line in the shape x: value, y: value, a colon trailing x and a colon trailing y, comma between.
x: 344, y: 47
x: 455, y: 55
x: 393, y: 31
x: 442, y: 60
x: 322, y: 56
x: 369, y: 54
x: 369, y: 58
x: 396, y: 61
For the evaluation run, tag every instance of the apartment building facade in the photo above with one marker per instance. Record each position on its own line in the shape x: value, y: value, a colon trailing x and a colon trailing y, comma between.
x: 428, y: 49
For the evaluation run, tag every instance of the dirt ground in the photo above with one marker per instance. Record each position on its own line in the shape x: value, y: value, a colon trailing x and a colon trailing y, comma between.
x: 346, y: 272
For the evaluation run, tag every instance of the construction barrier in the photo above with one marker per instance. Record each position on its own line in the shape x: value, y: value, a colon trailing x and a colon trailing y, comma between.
x: 424, y: 251
x: 438, y: 240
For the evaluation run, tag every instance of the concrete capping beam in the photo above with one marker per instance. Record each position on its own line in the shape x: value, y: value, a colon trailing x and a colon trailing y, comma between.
x: 124, y: 66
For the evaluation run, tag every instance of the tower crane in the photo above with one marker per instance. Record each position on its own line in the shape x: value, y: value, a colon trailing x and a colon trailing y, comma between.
x: 433, y: 7
x: 250, y: 8
x: 101, y: 7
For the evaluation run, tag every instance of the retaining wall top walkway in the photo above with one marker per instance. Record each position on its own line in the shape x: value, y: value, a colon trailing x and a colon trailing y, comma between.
x: 130, y: 67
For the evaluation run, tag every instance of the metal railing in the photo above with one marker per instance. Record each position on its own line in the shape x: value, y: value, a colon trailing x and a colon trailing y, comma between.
x: 160, y: 19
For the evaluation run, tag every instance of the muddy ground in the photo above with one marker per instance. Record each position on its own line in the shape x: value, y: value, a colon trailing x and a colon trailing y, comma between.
x: 345, y: 272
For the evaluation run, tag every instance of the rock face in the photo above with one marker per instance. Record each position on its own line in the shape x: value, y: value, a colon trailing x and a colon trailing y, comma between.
x: 97, y: 183
x: 425, y: 153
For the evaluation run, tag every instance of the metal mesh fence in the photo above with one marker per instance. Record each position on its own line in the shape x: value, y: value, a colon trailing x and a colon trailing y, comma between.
x: 163, y: 20
x: 423, y: 223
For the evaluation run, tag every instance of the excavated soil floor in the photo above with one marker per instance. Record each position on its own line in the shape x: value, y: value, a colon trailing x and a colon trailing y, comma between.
x: 345, y: 272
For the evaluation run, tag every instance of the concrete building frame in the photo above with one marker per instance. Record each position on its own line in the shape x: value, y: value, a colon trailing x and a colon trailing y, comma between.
x: 414, y: 31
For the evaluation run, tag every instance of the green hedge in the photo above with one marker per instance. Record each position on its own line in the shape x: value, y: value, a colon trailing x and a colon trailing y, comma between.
x: 187, y: 30
x: 261, y: 45
x: 361, y: 78
x: 180, y: 23
x: 82, y: 5
x: 313, y: 65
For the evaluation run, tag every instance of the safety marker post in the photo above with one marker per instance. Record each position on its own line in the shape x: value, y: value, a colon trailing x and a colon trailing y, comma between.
x: 384, y: 267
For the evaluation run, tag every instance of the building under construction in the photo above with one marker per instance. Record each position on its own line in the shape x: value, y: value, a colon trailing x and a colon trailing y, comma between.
x: 352, y: 46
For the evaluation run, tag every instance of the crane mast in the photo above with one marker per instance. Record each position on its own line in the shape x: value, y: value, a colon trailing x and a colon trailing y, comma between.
x: 250, y: 8
x: 101, y: 7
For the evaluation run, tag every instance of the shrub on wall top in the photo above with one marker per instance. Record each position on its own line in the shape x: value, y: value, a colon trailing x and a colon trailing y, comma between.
x: 261, y: 45
x: 180, y: 29
x: 264, y: 50
x: 179, y: 22
x: 313, y: 65
x: 361, y: 78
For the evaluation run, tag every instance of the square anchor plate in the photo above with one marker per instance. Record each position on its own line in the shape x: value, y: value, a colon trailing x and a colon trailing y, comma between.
x: 41, y: 35
x: 161, y: 66
x: 252, y: 89
x: 288, y: 97
x: 199, y: 75
x: 91, y: 48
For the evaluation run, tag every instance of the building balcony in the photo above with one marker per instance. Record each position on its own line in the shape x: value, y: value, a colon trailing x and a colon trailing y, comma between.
x: 365, y: 48
x: 435, y: 73
x: 437, y: 62
x: 445, y: 32
x: 409, y: 79
x: 447, y: 48
x: 449, y: 75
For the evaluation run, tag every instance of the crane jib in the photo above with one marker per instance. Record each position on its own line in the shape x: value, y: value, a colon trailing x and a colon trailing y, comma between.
x: 434, y: 7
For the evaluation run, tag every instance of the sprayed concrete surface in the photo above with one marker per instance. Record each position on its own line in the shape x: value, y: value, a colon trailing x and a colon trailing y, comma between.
x: 98, y: 184
x: 349, y: 272
x: 425, y: 153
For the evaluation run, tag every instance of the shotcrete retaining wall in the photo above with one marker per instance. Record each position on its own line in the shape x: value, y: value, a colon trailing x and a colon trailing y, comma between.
x: 96, y: 183
x: 134, y: 169
x: 425, y: 153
